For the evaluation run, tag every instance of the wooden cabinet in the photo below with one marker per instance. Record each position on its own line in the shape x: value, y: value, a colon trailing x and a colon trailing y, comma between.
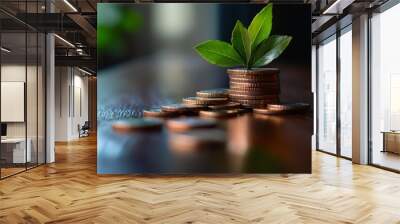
x: 391, y: 141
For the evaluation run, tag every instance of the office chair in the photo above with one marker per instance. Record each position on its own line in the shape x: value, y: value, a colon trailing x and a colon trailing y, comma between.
x: 84, y: 130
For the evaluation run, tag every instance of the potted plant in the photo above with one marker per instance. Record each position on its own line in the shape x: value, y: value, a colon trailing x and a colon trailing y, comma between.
x: 250, y: 49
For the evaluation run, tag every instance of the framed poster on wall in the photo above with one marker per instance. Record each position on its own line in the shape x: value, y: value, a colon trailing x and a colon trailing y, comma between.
x: 12, y: 101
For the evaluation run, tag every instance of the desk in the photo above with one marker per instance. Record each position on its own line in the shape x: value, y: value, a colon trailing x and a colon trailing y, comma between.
x: 255, y: 144
x: 391, y: 141
x: 15, y: 148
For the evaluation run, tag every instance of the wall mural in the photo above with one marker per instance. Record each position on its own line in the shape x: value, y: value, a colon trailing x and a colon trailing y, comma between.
x: 187, y: 88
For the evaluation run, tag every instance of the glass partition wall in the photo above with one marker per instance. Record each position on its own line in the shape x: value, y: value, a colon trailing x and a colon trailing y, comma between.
x: 385, y: 89
x: 334, y: 93
x: 22, y: 98
x: 326, y: 140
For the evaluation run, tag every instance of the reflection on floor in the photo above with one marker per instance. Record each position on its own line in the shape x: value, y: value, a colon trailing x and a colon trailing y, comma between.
x: 70, y: 191
x: 387, y: 159
x: 14, y: 169
x: 10, y: 171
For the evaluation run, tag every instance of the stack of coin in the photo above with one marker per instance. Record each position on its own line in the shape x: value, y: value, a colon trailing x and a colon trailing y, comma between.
x: 222, y: 113
x: 208, y: 98
x: 183, y: 109
x: 204, y: 101
x: 213, y: 93
x: 254, y: 88
x: 290, y: 108
x: 228, y: 106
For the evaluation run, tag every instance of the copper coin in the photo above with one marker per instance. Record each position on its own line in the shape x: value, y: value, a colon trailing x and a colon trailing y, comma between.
x: 183, y: 108
x: 133, y: 125
x: 263, y: 85
x: 289, y: 106
x: 268, y: 111
x: 253, y: 79
x: 255, y: 103
x: 204, y: 101
x: 254, y: 91
x: 213, y: 93
x: 253, y: 97
x: 185, y: 124
x: 159, y: 113
x: 219, y: 113
x: 268, y: 79
x: 264, y: 73
x: 265, y: 89
x: 230, y: 105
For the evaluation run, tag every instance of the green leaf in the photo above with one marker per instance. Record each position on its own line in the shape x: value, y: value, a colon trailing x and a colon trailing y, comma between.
x: 261, y: 26
x: 241, y: 41
x: 219, y: 53
x: 270, y: 49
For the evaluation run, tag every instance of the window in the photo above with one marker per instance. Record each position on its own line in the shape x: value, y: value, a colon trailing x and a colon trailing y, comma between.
x: 327, y: 96
x: 346, y: 93
x: 385, y: 89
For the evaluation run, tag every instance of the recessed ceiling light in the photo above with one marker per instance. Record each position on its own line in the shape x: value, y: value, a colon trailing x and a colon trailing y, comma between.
x: 64, y: 40
x: 84, y: 71
x: 70, y: 5
x: 5, y: 50
x: 333, y: 8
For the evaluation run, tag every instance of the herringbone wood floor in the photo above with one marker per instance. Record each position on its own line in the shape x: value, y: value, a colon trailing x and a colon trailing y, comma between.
x: 69, y: 191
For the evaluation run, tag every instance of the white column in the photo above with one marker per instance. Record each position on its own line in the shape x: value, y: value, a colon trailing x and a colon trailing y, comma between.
x: 314, y: 92
x: 50, y: 94
x: 360, y: 90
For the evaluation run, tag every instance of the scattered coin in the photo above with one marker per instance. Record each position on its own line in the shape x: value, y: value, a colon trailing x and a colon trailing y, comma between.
x: 139, y: 124
x: 183, y: 108
x: 219, y: 113
x: 230, y: 105
x: 159, y: 113
x: 185, y: 124
x: 204, y: 101
x: 213, y: 93
x: 282, y: 108
x: 268, y: 111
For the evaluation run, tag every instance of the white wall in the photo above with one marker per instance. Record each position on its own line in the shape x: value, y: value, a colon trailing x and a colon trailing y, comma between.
x: 71, y: 102
x: 16, y: 73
